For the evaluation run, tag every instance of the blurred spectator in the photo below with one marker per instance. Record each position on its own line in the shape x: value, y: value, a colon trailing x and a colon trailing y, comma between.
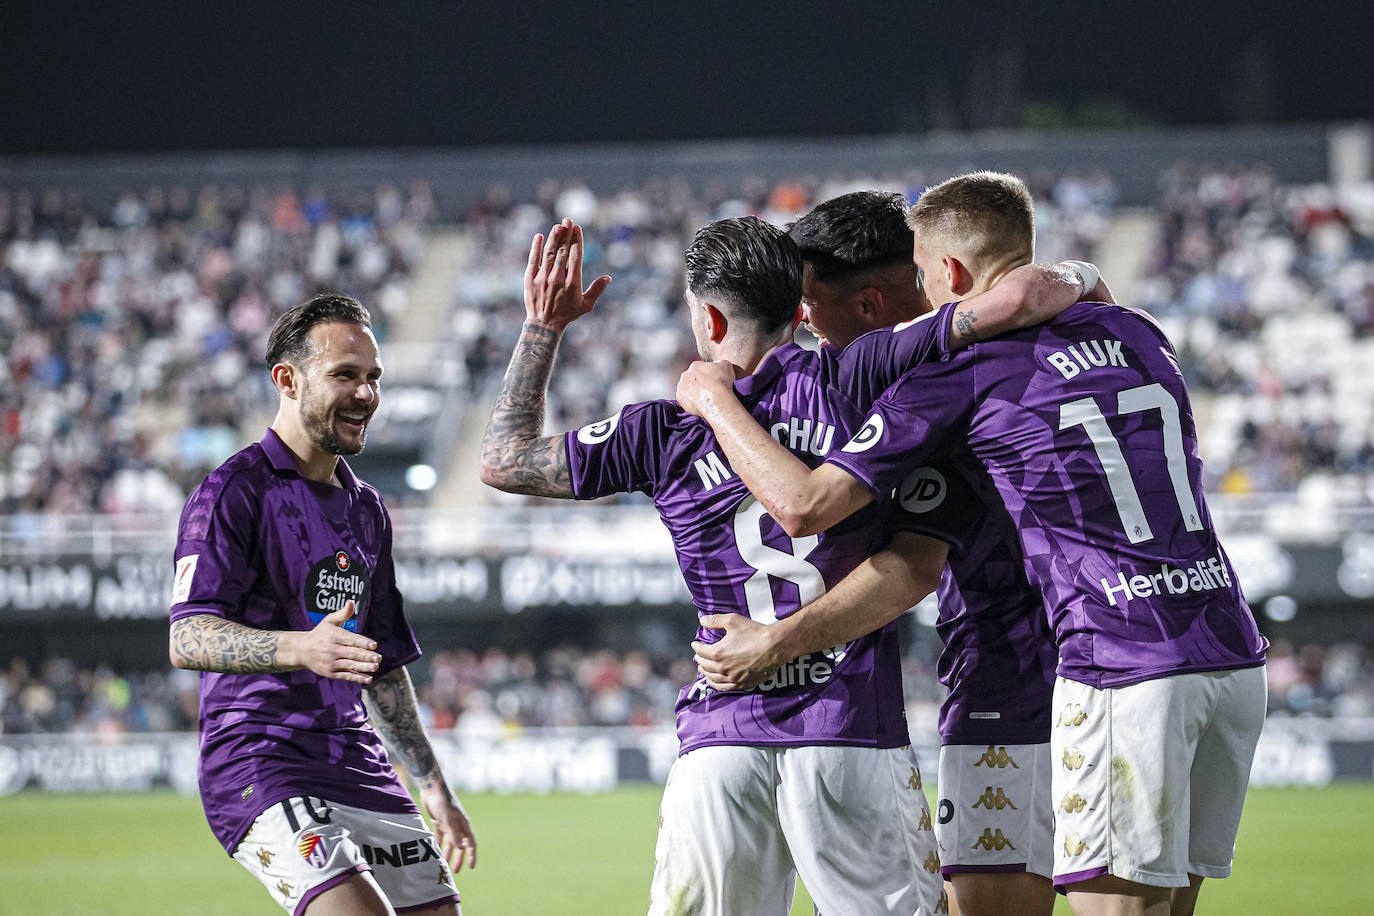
x: 132, y: 342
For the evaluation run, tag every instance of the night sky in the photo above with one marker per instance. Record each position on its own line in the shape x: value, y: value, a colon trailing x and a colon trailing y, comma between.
x: 82, y: 77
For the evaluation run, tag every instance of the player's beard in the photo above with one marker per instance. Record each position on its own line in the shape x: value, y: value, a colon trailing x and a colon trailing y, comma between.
x: 317, y: 419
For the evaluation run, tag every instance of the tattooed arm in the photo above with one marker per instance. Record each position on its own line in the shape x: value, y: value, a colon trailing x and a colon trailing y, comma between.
x: 392, y: 710
x: 515, y: 456
x: 1030, y: 294
x: 204, y: 642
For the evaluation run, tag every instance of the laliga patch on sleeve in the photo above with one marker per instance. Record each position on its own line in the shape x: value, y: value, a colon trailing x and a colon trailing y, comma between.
x: 186, y: 571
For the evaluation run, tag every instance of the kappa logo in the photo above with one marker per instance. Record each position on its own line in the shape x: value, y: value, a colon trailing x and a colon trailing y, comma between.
x: 314, y: 850
x: 265, y: 857
x: 994, y: 801
x: 1073, y: 758
x: 1073, y: 803
x: 996, y: 757
x: 923, y: 823
x: 932, y: 862
x: 867, y: 436
x: 596, y: 433
x: 1072, y: 714
x: 992, y: 841
x: 283, y: 888
x: 443, y: 874
x: 923, y: 490
x: 942, y: 906
x: 1074, y: 845
x: 914, y: 780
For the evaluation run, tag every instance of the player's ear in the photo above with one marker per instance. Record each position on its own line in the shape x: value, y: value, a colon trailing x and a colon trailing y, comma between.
x: 958, y: 276
x: 798, y: 317
x: 870, y: 302
x: 285, y: 378
x: 715, y: 323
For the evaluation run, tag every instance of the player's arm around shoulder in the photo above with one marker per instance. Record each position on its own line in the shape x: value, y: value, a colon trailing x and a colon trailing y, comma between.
x: 516, y: 456
x: 803, y: 501
x: 875, y: 593
x: 394, y: 713
x: 1030, y: 294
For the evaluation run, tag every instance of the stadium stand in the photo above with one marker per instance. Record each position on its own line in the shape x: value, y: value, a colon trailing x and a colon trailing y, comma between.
x: 131, y: 339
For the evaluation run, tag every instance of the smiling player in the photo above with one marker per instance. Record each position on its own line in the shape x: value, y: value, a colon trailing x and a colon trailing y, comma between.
x: 285, y: 597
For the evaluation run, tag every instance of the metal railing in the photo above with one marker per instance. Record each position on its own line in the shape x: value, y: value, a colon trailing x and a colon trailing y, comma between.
x: 622, y: 531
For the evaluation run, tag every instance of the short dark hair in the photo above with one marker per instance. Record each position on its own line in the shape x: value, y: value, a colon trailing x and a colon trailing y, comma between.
x: 290, y: 338
x: 750, y: 264
x: 845, y: 236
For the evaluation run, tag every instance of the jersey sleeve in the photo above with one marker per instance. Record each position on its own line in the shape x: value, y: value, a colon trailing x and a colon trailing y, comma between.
x: 914, y: 420
x: 873, y: 362
x: 214, y: 569
x: 935, y: 500
x: 620, y: 454
x: 386, y: 619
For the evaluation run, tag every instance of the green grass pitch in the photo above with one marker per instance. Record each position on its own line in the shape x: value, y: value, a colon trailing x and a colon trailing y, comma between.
x: 1300, y: 851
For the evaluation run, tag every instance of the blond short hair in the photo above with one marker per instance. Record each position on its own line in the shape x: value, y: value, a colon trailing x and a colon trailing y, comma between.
x: 985, y: 215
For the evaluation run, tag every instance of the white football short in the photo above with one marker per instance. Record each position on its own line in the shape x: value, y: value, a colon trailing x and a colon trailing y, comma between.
x: 995, y: 812
x: 1149, y: 779
x: 738, y: 824
x: 303, y: 846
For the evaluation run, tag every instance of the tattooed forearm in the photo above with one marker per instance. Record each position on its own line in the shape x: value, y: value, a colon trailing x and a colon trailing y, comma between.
x: 964, y: 331
x: 392, y: 711
x: 515, y: 457
x: 204, y: 642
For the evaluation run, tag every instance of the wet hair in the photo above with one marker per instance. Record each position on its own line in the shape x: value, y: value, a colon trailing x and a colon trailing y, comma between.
x: 847, y: 236
x: 751, y: 266
x: 289, y: 341
x: 987, y: 214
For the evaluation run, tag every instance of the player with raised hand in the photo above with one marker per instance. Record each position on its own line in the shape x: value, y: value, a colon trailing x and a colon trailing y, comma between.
x: 812, y: 771
x: 285, y: 598
x: 1085, y: 428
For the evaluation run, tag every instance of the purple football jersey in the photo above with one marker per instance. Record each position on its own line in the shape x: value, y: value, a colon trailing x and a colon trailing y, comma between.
x: 998, y: 661
x: 736, y: 559
x: 261, y: 546
x: 1085, y: 427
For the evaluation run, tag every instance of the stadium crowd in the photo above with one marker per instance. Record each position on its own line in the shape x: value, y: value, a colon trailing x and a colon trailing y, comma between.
x: 1268, y: 292
x: 494, y: 691
x: 640, y: 337
x: 132, y: 339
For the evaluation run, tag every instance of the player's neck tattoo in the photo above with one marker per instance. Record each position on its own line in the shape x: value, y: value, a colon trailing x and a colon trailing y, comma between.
x: 515, y: 457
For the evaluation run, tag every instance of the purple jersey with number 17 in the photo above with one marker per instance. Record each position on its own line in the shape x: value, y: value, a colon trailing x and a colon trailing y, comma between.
x: 738, y: 560
x: 1085, y: 427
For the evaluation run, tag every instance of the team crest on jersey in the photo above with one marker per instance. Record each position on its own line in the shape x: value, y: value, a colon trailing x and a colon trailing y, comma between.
x: 314, y: 850
x: 596, y: 433
x: 923, y: 490
x: 867, y: 436
x: 332, y: 583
